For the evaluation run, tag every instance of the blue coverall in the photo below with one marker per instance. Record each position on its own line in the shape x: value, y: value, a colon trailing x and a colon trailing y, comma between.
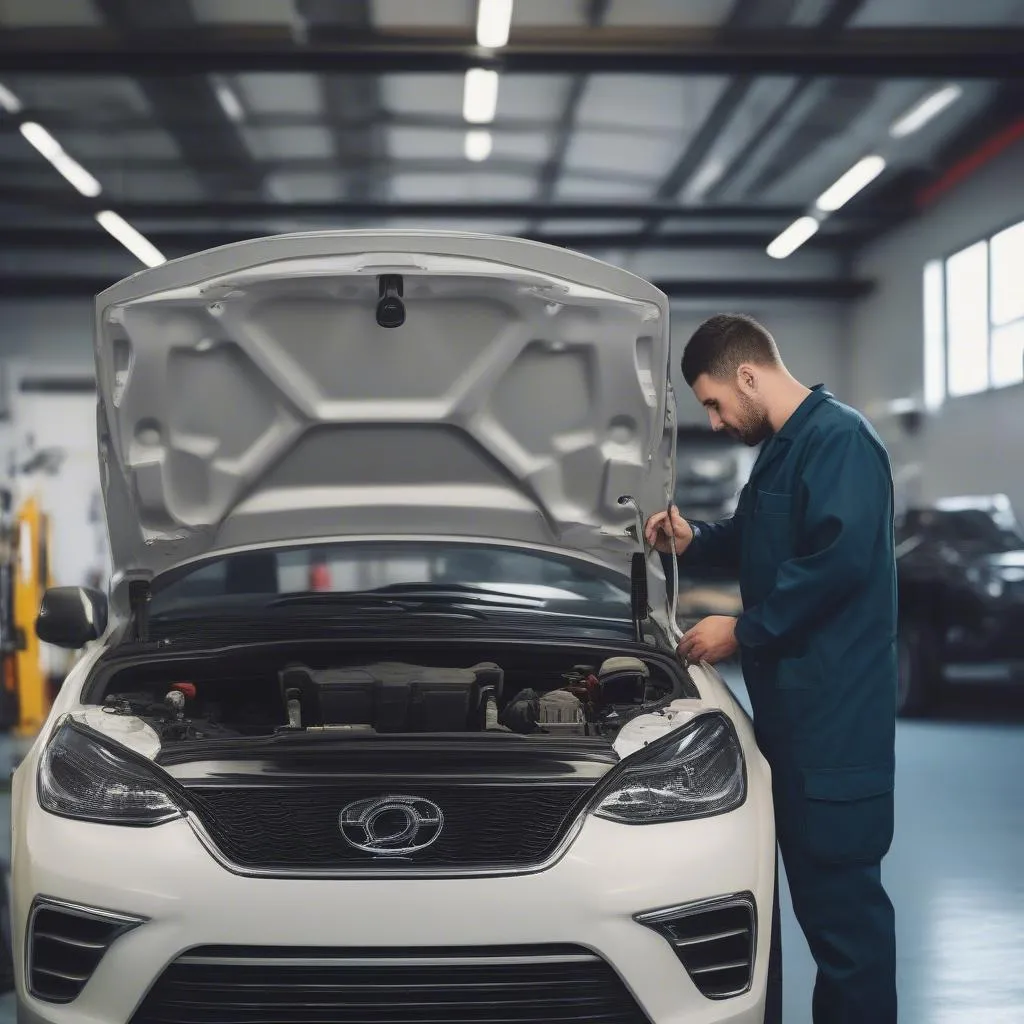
x: 812, y: 542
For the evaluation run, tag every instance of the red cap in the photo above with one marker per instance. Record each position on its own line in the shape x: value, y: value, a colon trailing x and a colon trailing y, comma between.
x: 189, y: 689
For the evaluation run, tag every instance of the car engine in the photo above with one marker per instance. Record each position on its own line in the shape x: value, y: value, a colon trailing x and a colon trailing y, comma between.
x: 392, y: 697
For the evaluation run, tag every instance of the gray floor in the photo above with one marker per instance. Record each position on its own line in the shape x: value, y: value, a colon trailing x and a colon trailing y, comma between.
x: 955, y: 873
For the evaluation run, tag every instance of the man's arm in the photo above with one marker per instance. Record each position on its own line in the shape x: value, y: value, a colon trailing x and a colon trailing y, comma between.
x: 849, y: 490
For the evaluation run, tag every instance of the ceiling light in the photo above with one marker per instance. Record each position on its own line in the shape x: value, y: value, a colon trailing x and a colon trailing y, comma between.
x: 9, y: 101
x: 858, y: 177
x: 70, y: 168
x: 925, y: 110
x: 493, y: 20
x: 480, y: 101
x: 229, y: 102
x: 478, y: 145
x: 709, y: 173
x: 132, y: 240
x: 793, y: 237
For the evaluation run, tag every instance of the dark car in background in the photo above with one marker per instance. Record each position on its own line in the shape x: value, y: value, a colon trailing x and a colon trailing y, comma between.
x: 961, y: 586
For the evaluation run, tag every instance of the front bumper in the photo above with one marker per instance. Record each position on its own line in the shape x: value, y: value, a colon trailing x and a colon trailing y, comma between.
x: 588, y: 899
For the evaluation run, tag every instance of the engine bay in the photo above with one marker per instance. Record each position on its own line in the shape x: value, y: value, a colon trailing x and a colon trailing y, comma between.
x: 522, y: 694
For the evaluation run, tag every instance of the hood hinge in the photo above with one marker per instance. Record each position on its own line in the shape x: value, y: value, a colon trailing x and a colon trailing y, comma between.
x: 138, y: 602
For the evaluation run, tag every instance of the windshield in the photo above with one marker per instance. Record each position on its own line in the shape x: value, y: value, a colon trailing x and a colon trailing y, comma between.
x: 471, y: 573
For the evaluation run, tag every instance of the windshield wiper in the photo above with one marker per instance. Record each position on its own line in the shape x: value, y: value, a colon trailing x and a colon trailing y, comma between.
x: 372, y: 601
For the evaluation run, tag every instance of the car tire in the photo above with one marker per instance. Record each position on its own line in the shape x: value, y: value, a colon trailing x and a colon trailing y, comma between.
x: 773, y: 988
x: 919, y: 676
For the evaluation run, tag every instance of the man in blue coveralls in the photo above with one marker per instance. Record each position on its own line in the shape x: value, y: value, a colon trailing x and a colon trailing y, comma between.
x: 812, y: 543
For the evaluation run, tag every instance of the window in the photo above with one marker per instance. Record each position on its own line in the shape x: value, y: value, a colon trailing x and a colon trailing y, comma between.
x: 974, y: 318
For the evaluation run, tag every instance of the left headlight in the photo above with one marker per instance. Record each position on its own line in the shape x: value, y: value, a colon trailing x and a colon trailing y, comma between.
x: 697, y: 771
x: 82, y: 778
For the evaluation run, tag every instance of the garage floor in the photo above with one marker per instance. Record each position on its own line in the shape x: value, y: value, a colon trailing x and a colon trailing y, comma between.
x: 955, y: 870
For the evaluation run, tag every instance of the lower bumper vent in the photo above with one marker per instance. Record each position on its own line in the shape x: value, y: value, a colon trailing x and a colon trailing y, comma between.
x: 65, y: 945
x: 715, y: 940
x: 256, y: 985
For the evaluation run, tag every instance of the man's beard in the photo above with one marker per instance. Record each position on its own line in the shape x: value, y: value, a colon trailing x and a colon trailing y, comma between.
x: 754, y: 425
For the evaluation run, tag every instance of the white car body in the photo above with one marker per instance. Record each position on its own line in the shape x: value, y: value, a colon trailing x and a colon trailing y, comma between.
x: 580, y: 929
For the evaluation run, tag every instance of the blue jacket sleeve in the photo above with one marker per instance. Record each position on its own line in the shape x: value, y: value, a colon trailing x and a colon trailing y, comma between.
x: 848, y: 494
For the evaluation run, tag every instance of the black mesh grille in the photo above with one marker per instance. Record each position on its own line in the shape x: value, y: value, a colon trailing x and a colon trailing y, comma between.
x: 65, y: 947
x: 537, y: 985
x: 485, y: 826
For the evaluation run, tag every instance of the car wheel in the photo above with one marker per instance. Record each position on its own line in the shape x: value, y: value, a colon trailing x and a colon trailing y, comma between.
x: 917, y: 647
x: 773, y: 992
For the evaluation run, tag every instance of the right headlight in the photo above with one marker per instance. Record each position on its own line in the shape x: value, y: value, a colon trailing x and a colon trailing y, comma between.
x: 80, y: 777
x: 696, y: 771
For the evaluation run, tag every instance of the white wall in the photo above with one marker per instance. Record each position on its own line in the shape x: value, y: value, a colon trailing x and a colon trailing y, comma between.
x: 974, y: 444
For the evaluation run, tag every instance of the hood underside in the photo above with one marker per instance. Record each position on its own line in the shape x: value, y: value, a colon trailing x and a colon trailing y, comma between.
x: 250, y: 397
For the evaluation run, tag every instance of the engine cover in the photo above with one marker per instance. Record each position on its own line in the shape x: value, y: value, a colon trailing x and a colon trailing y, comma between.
x: 393, y: 697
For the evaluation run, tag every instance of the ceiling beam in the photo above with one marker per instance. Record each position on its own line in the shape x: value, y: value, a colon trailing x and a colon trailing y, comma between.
x: 912, y: 52
x: 360, y: 153
x: 180, y: 242
x: 59, y: 118
x: 170, y: 96
x: 367, y: 162
x: 551, y: 172
x: 36, y: 286
x: 690, y: 161
x: 234, y: 209
x: 839, y: 15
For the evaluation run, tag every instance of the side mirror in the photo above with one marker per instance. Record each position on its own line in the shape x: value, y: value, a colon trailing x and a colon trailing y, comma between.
x: 71, y: 617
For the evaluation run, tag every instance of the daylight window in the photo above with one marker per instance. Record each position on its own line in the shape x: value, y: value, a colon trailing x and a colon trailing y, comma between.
x: 974, y: 318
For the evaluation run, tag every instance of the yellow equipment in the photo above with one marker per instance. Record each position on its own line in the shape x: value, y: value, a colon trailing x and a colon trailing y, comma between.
x: 27, y: 692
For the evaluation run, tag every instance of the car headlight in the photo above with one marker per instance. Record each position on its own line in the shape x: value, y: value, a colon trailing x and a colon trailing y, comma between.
x: 80, y: 777
x: 694, y: 772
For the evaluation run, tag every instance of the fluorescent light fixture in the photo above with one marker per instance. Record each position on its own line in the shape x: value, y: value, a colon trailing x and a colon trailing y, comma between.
x: 229, y: 102
x: 9, y: 101
x: 493, y: 20
x: 793, y: 237
x: 925, y: 110
x: 70, y: 168
x: 136, y: 243
x: 478, y: 145
x: 858, y: 177
x: 480, y: 101
x: 709, y: 173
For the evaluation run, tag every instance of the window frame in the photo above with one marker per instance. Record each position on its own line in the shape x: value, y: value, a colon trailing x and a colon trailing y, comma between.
x: 942, y: 340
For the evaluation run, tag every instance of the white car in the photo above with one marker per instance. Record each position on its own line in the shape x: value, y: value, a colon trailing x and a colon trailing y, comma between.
x: 384, y: 722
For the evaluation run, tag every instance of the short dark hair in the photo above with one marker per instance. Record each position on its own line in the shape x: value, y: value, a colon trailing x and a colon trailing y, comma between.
x: 723, y: 343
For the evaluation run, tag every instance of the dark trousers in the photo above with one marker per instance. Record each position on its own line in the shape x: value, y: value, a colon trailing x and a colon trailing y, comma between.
x: 849, y: 924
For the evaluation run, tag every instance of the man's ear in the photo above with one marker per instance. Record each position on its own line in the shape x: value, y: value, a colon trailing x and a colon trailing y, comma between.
x: 746, y: 377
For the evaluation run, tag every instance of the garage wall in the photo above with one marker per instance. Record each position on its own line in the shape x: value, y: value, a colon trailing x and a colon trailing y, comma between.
x: 974, y: 444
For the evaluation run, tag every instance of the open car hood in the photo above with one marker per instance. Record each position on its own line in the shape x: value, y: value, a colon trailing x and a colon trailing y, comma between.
x: 249, y: 397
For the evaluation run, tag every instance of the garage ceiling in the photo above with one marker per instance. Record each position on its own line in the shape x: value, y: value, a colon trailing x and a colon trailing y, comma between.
x: 647, y: 131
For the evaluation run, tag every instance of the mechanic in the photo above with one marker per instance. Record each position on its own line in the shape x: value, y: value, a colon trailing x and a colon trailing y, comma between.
x: 812, y: 543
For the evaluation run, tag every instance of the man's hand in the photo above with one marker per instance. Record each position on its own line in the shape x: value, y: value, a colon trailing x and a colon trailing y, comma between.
x: 668, y: 539
x: 713, y: 639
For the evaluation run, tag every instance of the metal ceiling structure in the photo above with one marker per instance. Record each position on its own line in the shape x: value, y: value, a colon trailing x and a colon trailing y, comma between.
x: 677, y: 137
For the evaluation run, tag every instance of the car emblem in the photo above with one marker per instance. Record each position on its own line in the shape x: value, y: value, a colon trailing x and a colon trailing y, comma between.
x: 391, y: 826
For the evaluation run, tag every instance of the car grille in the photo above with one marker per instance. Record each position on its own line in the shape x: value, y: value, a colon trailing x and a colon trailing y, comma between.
x: 65, y: 946
x: 297, y: 828
x: 252, y: 985
x: 715, y: 942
